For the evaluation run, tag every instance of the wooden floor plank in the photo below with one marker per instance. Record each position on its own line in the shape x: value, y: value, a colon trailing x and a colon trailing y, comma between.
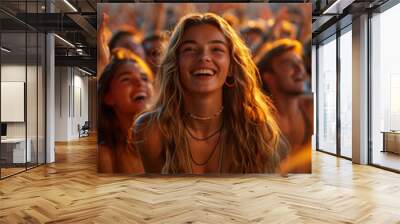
x: 70, y: 191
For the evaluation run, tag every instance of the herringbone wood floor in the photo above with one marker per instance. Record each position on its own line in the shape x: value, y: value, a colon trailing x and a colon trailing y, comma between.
x: 70, y: 191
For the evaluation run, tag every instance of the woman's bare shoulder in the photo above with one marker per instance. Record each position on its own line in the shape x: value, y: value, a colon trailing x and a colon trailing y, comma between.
x: 147, y: 134
x: 146, y: 124
x: 148, y: 141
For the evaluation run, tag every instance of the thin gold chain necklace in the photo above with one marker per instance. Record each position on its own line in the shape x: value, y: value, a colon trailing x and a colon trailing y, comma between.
x: 205, y: 118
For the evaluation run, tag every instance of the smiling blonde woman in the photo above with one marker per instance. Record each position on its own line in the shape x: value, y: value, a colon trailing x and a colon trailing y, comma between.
x: 211, y: 116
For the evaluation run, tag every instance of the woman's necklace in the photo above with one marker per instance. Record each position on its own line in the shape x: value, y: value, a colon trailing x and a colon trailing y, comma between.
x: 209, y: 157
x: 205, y: 118
x: 204, y: 138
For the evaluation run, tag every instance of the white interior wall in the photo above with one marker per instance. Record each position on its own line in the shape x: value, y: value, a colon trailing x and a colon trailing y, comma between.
x: 71, y: 102
x: 15, y: 73
x: 33, y: 126
x: 61, y: 103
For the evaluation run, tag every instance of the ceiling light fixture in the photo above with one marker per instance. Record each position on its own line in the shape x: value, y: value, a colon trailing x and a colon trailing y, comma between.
x: 329, y: 9
x: 65, y: 41
x: 337, y: 7
x: 5, y: 49
x: 70, y: 5
x: 84, y: 71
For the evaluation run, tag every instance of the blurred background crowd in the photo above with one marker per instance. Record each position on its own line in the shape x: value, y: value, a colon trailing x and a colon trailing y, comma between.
x: 144, y: 28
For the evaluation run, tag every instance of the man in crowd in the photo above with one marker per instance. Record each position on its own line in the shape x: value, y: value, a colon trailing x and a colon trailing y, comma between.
x: 283, y: 75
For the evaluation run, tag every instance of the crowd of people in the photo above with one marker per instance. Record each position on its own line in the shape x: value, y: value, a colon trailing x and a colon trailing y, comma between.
x: 206, y: 92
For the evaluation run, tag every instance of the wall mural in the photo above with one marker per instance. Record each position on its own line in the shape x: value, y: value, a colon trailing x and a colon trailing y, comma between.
x: 204, y: 88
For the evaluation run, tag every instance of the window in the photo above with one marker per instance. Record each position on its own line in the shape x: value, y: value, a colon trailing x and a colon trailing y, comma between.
x: 22, y: 75
x: 346, y: 93
x: 385, y: 89
x: 327, y: 96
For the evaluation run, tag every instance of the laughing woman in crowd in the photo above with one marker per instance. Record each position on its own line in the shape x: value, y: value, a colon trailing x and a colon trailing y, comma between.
x: 211, y: 116
x: 125, y: 90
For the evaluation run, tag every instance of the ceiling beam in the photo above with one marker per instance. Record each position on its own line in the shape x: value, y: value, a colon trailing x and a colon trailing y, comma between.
x: 82, y: 61
x: 84, y: 24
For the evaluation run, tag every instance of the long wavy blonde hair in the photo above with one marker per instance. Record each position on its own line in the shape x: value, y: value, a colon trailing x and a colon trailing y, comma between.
x: 248, y: 113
